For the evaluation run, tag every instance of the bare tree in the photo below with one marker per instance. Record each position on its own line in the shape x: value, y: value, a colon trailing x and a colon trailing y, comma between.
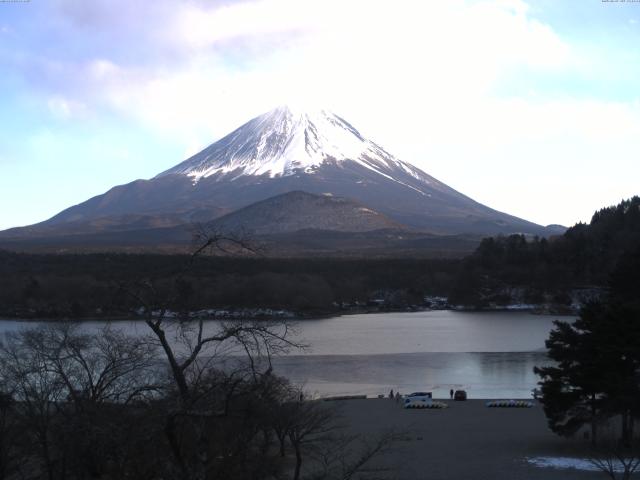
x: 198, y: 354
x: 317, y: 437
x: 9, y: 437
x: 347, y: 457
x: 101, y: 405
x: 70, y: 392
x: 615, y: 457
x: 27, y: 378
x: 107, y: 366
x: 310, y: 422
x: 185, y: 341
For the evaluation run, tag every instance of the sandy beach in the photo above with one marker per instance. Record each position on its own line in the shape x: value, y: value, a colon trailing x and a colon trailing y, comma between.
x: 465, y: 441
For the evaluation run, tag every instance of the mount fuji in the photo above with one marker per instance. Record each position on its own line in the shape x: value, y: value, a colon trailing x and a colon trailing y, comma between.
x: 282, y: 151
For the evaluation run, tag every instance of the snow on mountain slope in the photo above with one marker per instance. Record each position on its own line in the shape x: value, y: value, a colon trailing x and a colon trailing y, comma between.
x: 281, y: 151
x: 285, y: 141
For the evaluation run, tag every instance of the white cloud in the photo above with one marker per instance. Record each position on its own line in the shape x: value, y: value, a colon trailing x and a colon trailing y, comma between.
x: 353, y: 56
x: 421, y: 78
x: 100, y: 69
x: 550, y: 162
x: 65, y: 108
x: 202, y: 27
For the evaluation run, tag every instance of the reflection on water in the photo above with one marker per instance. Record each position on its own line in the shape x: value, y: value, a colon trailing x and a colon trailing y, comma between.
x: 435, y: 331
x: 489, y: 354
x: 483, y: 375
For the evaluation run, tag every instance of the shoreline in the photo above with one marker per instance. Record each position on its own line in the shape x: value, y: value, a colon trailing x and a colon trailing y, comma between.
x: 297, y: 316
x: 341, y: 398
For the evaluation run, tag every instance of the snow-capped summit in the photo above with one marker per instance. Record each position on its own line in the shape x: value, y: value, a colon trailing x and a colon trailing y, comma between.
x: 310, y: 151
x: 288, y: 140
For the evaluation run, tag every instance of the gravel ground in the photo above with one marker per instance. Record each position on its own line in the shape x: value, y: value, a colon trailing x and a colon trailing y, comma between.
x: 465, y: 441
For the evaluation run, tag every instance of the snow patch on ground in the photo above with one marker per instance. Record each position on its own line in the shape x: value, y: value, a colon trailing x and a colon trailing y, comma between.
x: 568, y: 463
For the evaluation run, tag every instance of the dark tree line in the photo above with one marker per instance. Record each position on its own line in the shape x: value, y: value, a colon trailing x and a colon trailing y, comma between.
x: 547, y: 269
x: 82, y: 286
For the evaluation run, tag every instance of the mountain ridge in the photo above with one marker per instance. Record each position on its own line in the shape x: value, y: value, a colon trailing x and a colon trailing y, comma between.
x: 276, y: 153
x: 297, y: 210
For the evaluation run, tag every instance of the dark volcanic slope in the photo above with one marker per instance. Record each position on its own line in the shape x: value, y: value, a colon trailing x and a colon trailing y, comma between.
x: 276, y: 153
x: 295, y: 224
x: 294, y: 211
x: 439, y: 210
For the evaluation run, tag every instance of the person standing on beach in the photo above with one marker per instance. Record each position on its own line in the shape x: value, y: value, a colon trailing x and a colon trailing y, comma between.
x: 451, y: 394
x: 391, y: 394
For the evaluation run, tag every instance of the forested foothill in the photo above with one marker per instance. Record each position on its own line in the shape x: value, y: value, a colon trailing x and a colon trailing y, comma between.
x: 563, y: 271
x: 557, y: 274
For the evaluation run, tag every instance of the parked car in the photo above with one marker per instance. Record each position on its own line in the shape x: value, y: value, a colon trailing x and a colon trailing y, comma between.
x: 460, y: 395
x: 418, y: 397
x: 420, y: 394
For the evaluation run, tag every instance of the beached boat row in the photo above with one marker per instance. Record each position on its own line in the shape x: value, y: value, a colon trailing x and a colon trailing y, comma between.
x: 509, y: 404
x: 436, y: 405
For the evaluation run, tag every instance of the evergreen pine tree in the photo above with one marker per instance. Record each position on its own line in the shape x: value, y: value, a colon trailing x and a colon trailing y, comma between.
x: 597, y: 360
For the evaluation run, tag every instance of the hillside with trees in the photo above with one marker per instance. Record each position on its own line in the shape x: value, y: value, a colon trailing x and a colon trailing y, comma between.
x: 516, y: 268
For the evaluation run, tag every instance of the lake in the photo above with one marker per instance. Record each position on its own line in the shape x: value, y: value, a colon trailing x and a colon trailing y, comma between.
x: 489, y: 354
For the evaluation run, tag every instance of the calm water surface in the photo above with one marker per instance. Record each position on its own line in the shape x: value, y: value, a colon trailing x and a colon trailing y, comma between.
x: 490, y: 354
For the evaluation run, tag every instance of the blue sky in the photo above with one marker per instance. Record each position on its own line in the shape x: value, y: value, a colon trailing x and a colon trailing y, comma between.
x: 532, y: 108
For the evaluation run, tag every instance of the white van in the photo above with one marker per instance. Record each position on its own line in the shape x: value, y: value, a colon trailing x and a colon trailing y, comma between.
x: 418, y: 398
